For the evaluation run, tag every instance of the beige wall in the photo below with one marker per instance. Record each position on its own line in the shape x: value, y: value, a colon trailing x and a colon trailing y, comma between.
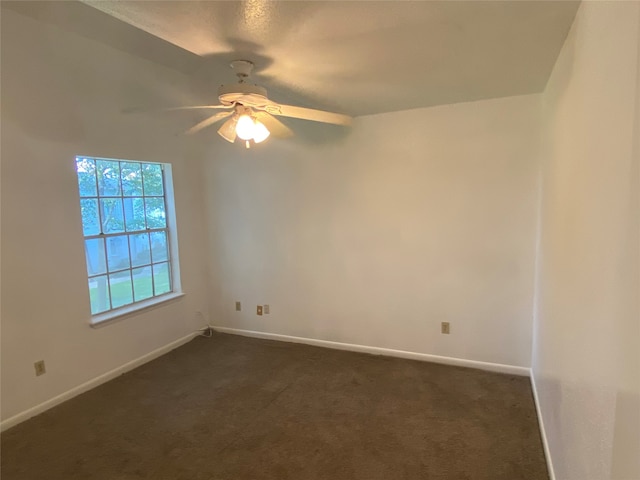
x: 587, y: 328
x: 62, y: 95
x: 377, y: 236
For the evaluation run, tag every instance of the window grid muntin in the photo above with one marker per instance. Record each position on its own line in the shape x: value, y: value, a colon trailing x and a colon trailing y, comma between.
x: 128, y: 234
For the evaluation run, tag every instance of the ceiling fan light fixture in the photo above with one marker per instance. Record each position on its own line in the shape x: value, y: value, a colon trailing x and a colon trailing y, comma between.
x: 260, y: 132
x: 248, y: 128
x: 228, y: 130
x: 245, y: 127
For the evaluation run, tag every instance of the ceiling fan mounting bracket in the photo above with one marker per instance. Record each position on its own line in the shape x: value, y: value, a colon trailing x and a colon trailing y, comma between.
x: 242, y: 93
x: 242, y: 68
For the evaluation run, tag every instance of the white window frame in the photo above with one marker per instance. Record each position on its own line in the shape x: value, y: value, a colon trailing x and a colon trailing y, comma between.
x: 170, y: 228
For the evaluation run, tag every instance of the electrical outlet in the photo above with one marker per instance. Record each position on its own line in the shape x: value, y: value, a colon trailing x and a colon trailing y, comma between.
x: 40, y: 368
x: 238, y: 306
x: 259, y: 311
x: 445, y: 328
x: 266, y: 309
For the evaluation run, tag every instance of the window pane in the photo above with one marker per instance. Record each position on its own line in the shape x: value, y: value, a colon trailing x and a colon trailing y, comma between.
x: 108, y: 177
x: 159, y: 247
x: 161, y: 278
x: 142, y: 284
x: 111, y: 210
x: 152, y: 174
x: 117, y: 253
x: 120, y: 202
x: 99, y: 294
x: 90, y: 222
x: 94, y: 250
x: 131, y: 179
x: 134, y: 214
x: 155, y: 213
x: 86, y: 169
x: 121, y: 292
x: 140, y: 253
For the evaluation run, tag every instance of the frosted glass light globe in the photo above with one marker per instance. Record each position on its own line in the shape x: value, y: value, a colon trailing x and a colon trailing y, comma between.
x: 260, y: 132
x: 245, y: 127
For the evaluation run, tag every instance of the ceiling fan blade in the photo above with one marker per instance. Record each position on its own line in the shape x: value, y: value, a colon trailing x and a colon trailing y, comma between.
x: 275, y: 126
x: 308, y: 114
x: 228, y: 129
x: 207, y: 121
x: 172, y: 109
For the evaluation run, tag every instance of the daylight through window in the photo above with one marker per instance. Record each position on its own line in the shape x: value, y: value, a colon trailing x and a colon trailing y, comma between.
x: 126, y: 236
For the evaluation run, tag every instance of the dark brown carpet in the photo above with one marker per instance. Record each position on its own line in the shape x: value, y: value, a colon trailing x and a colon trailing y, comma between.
x: 234, y: 408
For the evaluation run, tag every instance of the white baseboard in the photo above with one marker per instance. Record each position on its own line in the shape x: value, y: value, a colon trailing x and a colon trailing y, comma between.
x: 543, y: 433
x: 460, y: 362
x: 94, y: 382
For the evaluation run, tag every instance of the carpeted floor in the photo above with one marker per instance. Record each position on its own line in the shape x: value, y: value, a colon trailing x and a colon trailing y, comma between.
x: 234, y: 408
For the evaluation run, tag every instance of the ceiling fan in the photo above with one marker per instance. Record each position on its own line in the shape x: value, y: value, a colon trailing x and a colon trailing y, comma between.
x: 250, y: 113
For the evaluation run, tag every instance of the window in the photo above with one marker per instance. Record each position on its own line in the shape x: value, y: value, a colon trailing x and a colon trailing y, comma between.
x: 126, y: 235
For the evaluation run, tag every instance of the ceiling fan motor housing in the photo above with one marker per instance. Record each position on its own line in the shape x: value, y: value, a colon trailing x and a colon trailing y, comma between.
x: 244, y: 93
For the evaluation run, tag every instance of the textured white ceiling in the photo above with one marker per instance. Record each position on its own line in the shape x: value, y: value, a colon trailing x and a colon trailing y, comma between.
x: 360, y: 57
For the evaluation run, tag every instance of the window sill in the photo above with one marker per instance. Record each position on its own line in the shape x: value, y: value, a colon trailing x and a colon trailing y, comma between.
x: 103, y: 319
